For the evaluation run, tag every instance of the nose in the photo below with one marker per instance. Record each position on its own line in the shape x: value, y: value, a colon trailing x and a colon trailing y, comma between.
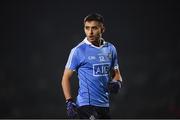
x: 90, y: 31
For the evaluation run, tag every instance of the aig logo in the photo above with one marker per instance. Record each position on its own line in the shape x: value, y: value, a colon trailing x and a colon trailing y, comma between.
x: 101, y: 69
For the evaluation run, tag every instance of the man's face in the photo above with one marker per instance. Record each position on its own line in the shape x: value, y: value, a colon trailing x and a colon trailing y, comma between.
x: 93, y: 30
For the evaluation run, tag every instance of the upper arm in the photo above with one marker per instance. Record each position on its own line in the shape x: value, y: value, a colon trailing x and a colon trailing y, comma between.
x: 71, y: 65
x: 67, y: 74
x: 114, y: 58
x: 115, y: 73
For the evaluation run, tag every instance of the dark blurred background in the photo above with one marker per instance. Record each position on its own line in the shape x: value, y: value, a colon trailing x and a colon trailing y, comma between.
x: 37, y: 36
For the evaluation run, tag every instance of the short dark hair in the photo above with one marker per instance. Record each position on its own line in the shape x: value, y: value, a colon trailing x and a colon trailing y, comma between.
x: 94, y: 16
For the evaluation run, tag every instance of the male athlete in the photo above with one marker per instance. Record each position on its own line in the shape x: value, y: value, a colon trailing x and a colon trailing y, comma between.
x: 93, y: 59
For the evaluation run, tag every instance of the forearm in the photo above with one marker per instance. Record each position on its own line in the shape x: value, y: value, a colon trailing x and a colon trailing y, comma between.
x: 66, y: 88
x: 70, y: 104
x: 66, y: 85
x: 115, y: 83
x: 117, y: 75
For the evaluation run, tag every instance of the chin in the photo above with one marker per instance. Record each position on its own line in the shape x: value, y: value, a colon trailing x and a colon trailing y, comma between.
x: 91, y: 40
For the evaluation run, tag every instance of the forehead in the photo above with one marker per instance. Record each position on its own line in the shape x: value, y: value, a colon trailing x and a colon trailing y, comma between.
x: 92, y: 23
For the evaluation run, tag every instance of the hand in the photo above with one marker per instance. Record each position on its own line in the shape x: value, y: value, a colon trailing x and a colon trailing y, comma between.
x: 114, y: 86
x: 71, y: 109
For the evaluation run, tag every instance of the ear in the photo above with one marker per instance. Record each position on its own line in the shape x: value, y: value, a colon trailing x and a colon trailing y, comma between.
x: 102, y: 29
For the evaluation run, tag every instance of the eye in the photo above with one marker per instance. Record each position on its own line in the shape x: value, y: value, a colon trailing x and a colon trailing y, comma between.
x: 94, y: 28
x: 86, y: 27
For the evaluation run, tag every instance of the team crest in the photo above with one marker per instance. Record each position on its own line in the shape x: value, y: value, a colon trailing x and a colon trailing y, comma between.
x: 109, y: 55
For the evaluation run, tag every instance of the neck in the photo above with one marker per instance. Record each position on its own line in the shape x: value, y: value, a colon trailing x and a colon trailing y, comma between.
x: 97, y: 43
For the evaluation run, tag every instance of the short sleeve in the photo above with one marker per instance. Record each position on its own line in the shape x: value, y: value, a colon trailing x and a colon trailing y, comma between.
x: 115, y: 58
x: 73, y: 61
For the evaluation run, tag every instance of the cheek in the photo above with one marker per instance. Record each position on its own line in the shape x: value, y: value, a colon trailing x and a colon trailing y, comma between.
x: 85, y: 32
x: 98, y: 32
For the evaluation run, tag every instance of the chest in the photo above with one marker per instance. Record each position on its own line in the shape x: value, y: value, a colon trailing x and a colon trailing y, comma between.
x: 98, y: 60
x: 98, y: 56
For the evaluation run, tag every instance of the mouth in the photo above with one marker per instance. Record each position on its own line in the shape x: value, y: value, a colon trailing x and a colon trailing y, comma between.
x: 91, y: 37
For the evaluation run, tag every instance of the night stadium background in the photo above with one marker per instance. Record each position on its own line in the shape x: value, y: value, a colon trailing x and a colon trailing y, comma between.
x: 37, y: 36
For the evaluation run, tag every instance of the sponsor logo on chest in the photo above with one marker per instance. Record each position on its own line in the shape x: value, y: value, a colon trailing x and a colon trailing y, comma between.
x: 101, y: 69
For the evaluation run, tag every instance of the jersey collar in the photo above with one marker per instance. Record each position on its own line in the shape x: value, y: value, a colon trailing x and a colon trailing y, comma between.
x: 89, y: 43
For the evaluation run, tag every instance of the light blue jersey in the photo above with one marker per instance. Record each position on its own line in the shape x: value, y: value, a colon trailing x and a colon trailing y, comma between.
x: 93, y: 65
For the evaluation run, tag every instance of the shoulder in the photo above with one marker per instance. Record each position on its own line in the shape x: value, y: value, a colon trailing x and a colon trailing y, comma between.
x: 78, y: 48
x: 111, y: 45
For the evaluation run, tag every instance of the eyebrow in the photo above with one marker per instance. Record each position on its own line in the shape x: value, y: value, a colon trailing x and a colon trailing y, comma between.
x: 91, y: 26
